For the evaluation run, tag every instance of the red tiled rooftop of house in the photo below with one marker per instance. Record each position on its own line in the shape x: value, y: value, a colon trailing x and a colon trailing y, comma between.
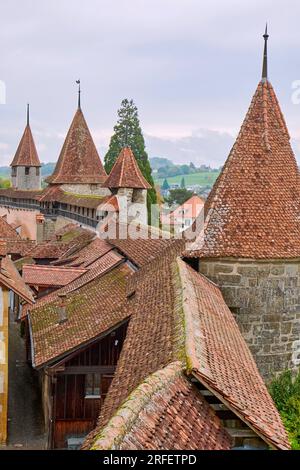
x: 219, y: 357
x: 55, y: 193
x: 140, y: 243
x: 7, y: 232
x: 88, y: 254
x: 125, y: 173
x: 96, y: 269
x: 27, y: 194
x: 184, y: 318
x: 37, y: 275
x: 165, y: 412
x: 253, y: 209
x: 91, y: 310
x: 10, y: 277
x: 189, y: 209
x: 65, y: 242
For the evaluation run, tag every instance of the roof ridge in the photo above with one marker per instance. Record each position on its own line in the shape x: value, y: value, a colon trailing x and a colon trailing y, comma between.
x: 191, y: 328
x: 121, y: 422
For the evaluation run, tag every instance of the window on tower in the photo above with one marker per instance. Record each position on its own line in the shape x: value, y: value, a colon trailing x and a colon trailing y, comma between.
x: 37, y: 171
x: 27, y: 170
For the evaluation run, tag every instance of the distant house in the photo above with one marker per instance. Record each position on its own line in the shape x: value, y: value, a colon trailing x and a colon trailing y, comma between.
x: 184, y: 215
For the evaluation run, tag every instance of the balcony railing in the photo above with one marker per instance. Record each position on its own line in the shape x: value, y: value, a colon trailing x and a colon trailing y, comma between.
x: 19, y: 204
x: 52, y: 212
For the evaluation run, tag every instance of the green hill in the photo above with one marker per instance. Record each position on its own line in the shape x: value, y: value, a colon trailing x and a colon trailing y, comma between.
x: 203, y: 178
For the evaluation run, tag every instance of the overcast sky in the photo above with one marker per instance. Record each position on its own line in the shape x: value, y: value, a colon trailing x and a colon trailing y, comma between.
x: 191, y: 67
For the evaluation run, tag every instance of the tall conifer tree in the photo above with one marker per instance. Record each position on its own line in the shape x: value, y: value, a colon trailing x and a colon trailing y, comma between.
x: 127, y: 132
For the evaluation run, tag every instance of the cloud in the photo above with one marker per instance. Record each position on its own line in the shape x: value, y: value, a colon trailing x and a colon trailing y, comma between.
x: 203, y: 146
x: 187, y: 64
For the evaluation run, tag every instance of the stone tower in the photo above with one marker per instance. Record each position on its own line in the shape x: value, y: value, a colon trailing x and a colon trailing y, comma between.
x: 129, y: 185
x: 26, y: 166
x: 251, y: 242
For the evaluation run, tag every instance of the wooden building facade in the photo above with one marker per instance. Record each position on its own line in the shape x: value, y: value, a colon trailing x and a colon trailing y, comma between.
x: 74, y: 389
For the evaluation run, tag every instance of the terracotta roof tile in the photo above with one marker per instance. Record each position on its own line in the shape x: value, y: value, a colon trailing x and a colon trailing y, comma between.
x: 253, y: 209
x: 26, y: 154
x: 125, y: 173
x: 218, y: 355
x: 91, y: 310
x: 55, y: 193
x: 78, y: 161
x: 7, y: 232
x: 143, y: 245
x: 10, y: 277
x: 20, y: 247
x: 64, y: 243
x: 37, y: 275
x: 88, y: 254
x: 95, y: 270
x: 184, y: 318
x: 154, y: 336
x: 165, y: 412
x: 21, y: 193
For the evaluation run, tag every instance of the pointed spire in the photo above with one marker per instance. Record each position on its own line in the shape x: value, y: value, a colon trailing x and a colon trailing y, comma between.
x: 27, y: 114
x: 26, y: 154
x: 79, y: 93
x: 126, y: 173
x: 79, y: 161
x: 264, y: 76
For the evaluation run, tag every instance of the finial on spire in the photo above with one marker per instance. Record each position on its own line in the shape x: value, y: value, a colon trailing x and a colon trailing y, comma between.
x: 27, y: 114
x: 264, y: 76
x: 125, y: 143
x: 79, y: 92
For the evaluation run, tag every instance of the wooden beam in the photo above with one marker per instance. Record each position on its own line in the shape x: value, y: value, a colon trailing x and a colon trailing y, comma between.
x: 241, y: 432
x: 75, y: 370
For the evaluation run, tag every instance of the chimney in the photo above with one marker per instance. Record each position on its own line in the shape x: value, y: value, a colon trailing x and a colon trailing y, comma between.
x: 62, y: 308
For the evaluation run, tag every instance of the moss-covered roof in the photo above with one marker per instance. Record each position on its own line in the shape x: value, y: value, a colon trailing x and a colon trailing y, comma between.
x: 91, y: 310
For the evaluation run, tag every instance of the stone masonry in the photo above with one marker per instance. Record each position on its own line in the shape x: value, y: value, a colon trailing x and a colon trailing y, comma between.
x: 22, y: 181
x: 264, y: 297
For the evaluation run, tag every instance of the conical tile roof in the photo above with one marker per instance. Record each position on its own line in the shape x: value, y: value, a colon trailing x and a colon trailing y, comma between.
x: 26, y: 154
x: 78, y: 161
x: 125, y: 173
x: 253, y: 210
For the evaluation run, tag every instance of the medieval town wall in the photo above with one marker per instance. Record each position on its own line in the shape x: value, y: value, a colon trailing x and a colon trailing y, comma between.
x: 265, y: 300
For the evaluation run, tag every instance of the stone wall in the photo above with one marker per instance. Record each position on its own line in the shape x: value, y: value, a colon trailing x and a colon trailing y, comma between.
x: 31, y: 181
x: 265, y: 300
x: 26, y: 218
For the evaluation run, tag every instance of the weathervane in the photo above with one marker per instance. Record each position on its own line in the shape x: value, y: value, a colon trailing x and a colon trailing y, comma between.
x: 27, y: 114
x: 265, y: 60
x: 79, y: 92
